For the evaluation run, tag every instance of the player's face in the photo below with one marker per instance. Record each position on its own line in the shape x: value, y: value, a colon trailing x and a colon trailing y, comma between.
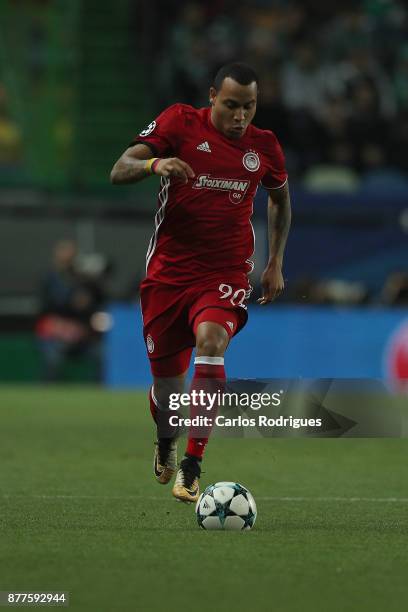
x: 233, y: 107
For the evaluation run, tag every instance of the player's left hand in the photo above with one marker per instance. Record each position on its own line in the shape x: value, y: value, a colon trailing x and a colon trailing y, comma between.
x: 272, y: 283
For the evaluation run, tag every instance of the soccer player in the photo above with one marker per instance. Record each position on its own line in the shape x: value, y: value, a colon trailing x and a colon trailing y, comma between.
x: 211, y: 161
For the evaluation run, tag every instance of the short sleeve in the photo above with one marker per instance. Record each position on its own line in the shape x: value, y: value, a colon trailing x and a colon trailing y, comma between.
x: 276, y: 174
x: 162, y: 134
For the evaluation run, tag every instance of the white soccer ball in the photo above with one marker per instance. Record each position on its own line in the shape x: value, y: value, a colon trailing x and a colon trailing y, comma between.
x: 226, y: 505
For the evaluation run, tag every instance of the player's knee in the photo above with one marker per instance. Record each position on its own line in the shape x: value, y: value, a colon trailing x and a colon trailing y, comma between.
x: 212, y: 342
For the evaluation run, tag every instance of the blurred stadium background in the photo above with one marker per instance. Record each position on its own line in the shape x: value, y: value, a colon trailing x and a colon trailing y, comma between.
x: 80, y: 78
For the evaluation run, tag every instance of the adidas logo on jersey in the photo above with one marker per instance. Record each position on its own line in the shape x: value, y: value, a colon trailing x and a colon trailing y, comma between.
x: 204, y: 146
x: 230, y: 325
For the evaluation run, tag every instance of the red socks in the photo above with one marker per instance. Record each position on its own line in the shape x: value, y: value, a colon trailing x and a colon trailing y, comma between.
x: 209, y: 376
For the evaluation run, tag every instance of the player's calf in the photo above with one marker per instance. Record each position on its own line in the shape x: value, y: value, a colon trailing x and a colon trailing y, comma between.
x: 209, y: 377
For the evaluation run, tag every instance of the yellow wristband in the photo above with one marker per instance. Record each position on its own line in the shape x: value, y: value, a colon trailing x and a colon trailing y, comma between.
x: 149, y: 163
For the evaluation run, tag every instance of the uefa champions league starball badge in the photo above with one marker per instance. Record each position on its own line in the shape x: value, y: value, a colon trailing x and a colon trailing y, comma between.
x: 251, y: 161
x: 149, y: 129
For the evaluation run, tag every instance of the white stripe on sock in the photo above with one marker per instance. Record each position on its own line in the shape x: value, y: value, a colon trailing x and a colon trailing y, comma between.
x: 154, y: 398
x: 209, y: 360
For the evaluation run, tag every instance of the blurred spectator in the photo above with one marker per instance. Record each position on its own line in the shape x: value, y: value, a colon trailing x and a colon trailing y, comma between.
x: 304, y: 93
x: 367, y: 128
x: 360, y: 65
x: 71, y: 296
x: 271, y: 113
x: 395, y: 290
x: 337, y: 148
x: 303, y: 80
x: 184, y: 68
x: 349, y: 28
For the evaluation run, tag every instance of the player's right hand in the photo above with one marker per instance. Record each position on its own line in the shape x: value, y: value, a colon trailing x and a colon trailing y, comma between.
x: 173, y: 166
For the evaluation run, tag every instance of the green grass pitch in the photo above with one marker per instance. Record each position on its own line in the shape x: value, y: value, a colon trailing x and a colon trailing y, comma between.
x: 81, y: 512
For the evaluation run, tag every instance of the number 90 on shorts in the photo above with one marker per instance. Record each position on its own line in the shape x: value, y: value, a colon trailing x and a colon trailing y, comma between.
x: 236, y: 297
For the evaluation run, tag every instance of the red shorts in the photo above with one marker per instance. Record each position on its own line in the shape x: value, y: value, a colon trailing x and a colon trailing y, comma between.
x: 170, y: 312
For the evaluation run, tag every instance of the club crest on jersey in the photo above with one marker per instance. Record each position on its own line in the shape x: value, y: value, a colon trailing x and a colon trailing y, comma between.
x: 149, y: 129
x: 236, y: 188
x: 150, y: 344
x: 251, y: 161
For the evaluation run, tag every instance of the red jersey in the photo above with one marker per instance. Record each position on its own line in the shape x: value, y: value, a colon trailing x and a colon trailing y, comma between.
x: 204, y: 227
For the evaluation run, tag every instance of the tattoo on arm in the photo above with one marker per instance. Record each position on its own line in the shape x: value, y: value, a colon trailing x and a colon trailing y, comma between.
x: 128, y: 170
x: 131, y: 166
